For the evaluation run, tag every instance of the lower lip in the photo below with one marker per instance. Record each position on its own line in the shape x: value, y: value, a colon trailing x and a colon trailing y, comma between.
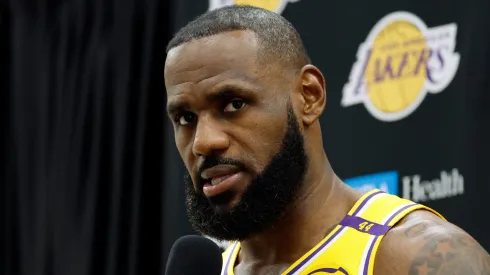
x: 210, y: 190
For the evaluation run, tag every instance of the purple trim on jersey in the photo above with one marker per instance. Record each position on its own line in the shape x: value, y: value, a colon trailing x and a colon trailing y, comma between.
x: 364, y: 226
x: 341, y: 229
x: 368, y: 257
x: 296, y: 268
x: 225, y: 271
x: 365, y: 201
x: 329, y: 270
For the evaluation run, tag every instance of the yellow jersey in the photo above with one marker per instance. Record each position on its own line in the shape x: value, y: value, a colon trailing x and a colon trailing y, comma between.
x: 350, y: 248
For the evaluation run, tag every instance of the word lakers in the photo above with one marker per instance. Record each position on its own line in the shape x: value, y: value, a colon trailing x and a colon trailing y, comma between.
x: 272, y: 5
x: 399, y: 63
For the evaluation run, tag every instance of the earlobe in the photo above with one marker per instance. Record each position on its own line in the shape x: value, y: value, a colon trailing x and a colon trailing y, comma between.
x: 313, y: 93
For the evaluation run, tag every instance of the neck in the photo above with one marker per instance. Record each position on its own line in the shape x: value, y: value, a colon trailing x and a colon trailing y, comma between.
x: 306, y: 222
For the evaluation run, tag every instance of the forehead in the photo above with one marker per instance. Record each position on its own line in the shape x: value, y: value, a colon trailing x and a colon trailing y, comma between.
x: 231, y: 53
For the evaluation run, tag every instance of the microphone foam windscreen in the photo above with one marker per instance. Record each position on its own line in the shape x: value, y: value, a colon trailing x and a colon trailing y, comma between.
x: 194, y: 255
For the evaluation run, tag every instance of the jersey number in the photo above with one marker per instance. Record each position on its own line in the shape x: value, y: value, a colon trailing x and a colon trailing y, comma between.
x: 365, y: 226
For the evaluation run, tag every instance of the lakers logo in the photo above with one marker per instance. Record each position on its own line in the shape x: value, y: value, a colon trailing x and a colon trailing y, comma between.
x: 272, y: 5
x: 401, y: 61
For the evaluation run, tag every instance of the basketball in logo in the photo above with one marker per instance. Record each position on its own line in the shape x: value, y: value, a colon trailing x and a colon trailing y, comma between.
x: 272, y: 5
x: 399, y: 63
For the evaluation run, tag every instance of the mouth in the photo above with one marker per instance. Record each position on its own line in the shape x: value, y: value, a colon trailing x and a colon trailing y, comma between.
x: 217, y: 180
x: 222, y: 184
x: 220, y: 179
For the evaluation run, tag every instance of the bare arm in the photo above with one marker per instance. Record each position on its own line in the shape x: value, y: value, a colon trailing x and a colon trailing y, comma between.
x: 423, y: 244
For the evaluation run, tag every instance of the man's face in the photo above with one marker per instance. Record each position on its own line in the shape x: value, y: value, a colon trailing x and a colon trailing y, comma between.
x: 236, y: 131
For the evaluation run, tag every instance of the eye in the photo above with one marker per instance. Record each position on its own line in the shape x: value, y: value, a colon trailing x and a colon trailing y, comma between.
x: 235, y: 105
x: 186, y: 118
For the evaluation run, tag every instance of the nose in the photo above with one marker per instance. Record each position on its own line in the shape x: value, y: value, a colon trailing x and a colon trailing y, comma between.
x: 209, y: 138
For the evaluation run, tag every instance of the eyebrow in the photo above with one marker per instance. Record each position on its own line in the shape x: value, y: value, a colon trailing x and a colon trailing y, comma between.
x: 225, y: 91
x: 176, y: 106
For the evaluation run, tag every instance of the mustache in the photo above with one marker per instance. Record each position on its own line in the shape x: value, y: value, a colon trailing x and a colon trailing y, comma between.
x: 212, y: 161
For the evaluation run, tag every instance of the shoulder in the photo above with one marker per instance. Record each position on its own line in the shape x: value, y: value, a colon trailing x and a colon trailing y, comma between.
x: 422, y: 243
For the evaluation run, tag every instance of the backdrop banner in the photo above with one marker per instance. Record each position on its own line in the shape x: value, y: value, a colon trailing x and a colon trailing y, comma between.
x: 408, y: 96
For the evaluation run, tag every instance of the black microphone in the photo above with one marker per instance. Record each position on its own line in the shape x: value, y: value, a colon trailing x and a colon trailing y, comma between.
x: 194, y: 255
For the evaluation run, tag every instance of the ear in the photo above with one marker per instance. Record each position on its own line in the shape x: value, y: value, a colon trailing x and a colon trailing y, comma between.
x: 313, y: 92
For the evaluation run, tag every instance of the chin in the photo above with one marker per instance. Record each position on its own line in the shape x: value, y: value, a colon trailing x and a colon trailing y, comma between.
x: 226, y: 202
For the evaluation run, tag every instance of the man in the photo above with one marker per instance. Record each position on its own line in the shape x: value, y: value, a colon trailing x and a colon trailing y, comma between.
x: 245, y: 103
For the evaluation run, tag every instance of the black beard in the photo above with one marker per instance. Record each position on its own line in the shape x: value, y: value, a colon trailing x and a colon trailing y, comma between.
x: 263, y: 203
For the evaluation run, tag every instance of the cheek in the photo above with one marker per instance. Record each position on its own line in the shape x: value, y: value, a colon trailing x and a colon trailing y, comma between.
x: 264, y: 140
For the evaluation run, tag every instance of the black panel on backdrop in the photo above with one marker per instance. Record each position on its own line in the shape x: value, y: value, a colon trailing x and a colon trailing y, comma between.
x: 85, y: 138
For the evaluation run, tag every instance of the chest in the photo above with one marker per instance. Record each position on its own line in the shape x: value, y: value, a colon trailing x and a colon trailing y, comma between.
x: 345, y: 251
x: 350, y: 248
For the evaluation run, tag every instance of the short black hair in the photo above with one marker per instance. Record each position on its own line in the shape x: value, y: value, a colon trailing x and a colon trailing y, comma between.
x: 277, y: 37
